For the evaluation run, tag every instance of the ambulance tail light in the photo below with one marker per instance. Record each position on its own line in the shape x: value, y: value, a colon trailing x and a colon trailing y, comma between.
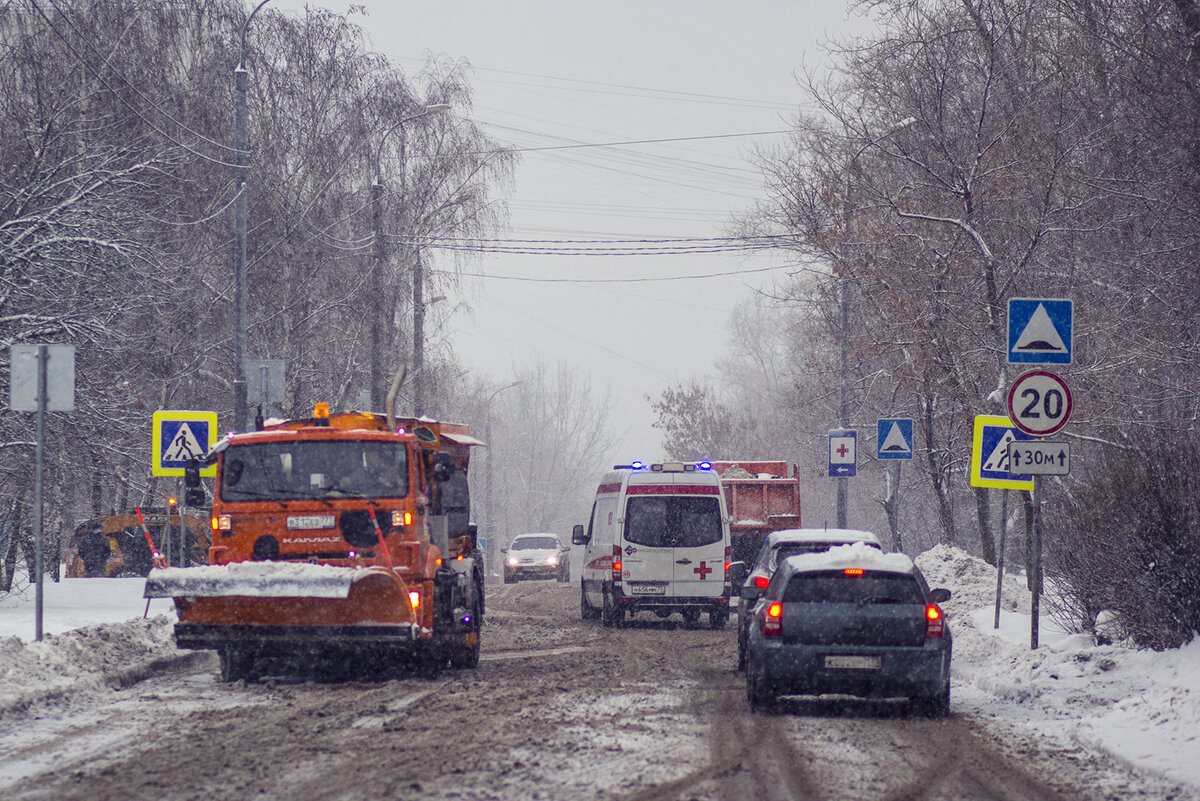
x: 728, y: 560
x: 617, y: 566
x: 773, y: 620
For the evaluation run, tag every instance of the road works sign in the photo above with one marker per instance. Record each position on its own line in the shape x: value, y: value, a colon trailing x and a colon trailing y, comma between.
x: 894, y: 438
x: 989, y: 454
x: 177, y: 436
x: 1039, y: 330
x: 1039, y: 403
x: 843, y: 453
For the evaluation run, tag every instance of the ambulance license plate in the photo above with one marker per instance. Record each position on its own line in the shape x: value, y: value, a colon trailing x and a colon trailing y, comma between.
x: 853, y: 662
x: 309, y: 522
x: 647, y: 589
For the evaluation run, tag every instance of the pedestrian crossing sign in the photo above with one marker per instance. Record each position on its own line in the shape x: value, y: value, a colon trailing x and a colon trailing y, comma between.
x: 989, y: 454
x: 177, y: 436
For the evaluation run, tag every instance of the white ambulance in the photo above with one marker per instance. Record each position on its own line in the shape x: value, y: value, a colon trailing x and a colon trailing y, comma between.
x: 657, y: 541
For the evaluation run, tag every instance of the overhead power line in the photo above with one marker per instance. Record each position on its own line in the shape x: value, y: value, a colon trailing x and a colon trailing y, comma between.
x: 640, y: 280
x: 635, y: 142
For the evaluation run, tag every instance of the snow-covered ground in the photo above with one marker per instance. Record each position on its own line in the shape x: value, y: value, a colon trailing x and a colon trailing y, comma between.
x: 1141, y: 706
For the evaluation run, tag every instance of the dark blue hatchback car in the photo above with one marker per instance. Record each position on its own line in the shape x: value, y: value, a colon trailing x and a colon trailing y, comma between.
x: 850, y: 621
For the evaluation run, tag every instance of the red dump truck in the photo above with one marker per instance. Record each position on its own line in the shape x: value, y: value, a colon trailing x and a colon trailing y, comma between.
x: 761, y: 498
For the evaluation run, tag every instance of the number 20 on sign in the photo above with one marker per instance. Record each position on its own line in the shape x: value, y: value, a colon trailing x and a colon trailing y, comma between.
x: 1039, y: 403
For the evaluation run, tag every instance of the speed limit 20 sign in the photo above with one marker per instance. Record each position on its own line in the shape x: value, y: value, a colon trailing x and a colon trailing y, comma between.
x: 1039, y: 403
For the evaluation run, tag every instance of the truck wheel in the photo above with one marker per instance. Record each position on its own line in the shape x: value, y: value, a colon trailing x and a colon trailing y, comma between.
x: 467, y: 656
x: 717, y: 618
x: 586, y: 610
x: 236, y: 663
x: 430, y: 660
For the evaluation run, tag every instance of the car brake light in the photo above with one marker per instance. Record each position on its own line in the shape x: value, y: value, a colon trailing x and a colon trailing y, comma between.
x: 934, y: 624
x: 773, y: 619
x: 853, y: 571
x: 761, y: 582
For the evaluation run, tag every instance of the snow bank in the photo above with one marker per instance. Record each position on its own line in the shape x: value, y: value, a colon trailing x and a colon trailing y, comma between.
x: 1141, y: 706
x: 83, y: 660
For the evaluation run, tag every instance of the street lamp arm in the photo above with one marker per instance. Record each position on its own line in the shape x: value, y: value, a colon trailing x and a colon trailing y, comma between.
x: 430, y: 109
x: 242, y: 50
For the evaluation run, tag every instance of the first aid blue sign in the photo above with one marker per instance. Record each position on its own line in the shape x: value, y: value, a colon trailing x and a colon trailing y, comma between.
x: 177, y: 436
x: 843, y: 453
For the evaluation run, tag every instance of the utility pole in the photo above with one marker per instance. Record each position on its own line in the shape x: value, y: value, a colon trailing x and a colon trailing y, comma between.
x: 378, y: 258
x: 242, y: 160
x: 492, y: 530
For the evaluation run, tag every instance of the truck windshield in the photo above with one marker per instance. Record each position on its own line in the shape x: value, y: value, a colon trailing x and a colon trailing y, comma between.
x: 281, y: 471
x: 672, y: 521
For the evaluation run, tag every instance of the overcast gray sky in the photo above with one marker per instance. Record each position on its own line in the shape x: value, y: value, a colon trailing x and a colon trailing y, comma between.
x: 548, y: 72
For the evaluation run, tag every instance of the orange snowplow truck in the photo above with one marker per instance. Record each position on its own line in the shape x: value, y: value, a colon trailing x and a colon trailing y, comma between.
x: 336, y: 537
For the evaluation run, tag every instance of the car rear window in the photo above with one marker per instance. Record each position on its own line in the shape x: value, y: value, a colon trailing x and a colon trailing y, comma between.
x: 673, y: 521
x: 836, y: 587
x: 535, y: 544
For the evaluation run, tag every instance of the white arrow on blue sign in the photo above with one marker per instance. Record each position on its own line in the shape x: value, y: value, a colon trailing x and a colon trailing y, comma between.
x: 1039, y: 330
x: 843, y: 453
x: 894, y: 438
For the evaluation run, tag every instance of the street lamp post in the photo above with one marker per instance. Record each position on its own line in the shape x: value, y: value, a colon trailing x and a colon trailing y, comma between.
x: 843, y: 487
x: 242, y: 160
x: 377, y: 369
x: 493, y: 543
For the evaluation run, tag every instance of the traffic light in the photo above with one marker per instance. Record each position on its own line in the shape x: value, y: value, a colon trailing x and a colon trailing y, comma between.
x: 194, y: 496
x: 191, y: 473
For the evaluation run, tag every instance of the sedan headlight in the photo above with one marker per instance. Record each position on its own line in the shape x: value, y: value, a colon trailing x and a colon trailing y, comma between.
x: 514, y: 561
x: 552, y: 559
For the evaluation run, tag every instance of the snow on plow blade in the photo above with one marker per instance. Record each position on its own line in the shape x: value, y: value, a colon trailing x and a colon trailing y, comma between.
x: 252, y: 580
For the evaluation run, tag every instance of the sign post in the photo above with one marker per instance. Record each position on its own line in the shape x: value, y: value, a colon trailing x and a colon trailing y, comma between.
x: 894, y: 443
x: 42, y: 379
x: 1040, y: 331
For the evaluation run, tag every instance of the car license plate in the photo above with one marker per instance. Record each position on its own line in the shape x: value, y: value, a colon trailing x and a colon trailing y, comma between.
x: 309, y: 522
x: 647, y: 589
x: 852, y: 662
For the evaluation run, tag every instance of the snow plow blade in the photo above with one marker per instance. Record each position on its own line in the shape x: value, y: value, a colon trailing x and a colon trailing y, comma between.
x: 252, y: 580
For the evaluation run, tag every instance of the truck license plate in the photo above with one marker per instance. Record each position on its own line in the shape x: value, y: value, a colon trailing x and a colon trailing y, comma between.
x: 852, y: 662
x: 309, y: 522
x: 648, y: 589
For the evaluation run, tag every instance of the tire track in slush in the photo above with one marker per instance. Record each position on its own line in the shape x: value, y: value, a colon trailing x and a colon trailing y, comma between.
x: 750, y: 756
